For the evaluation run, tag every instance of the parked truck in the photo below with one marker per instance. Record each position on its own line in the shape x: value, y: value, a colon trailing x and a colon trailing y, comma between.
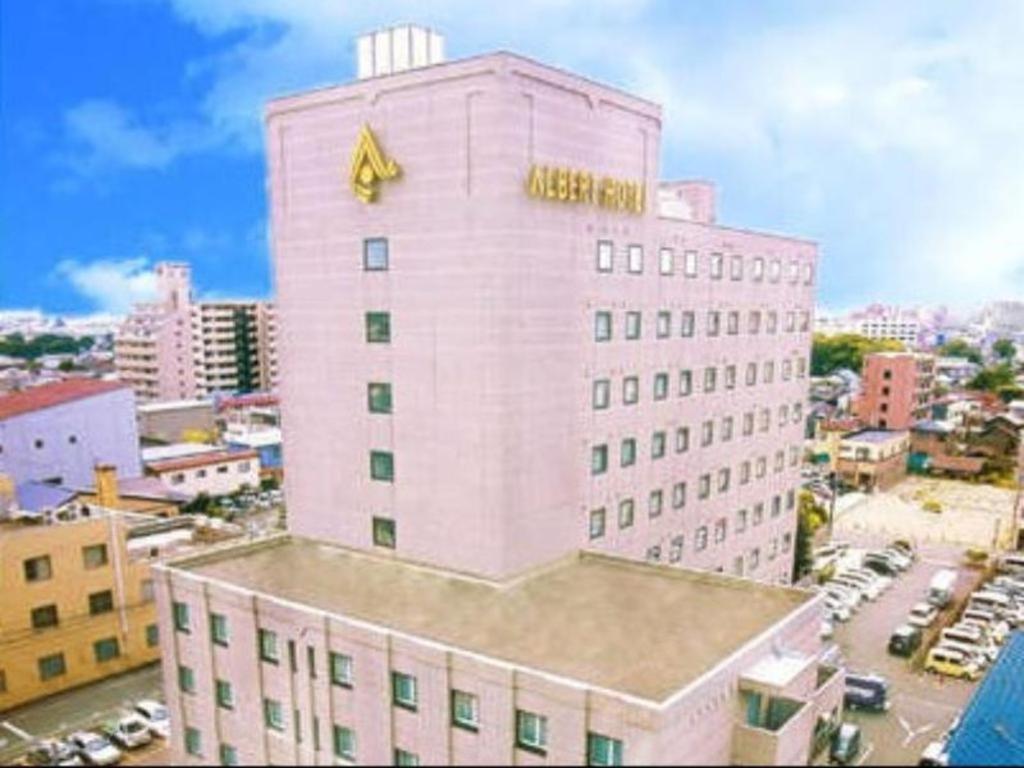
x: 942, y: 588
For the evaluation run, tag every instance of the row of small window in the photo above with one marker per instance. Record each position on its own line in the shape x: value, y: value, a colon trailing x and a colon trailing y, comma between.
x: 659, y: 447
x: 531, y: 728
x: 41, y: 568
x: 753, y: 557
x: 633, y: 257
x: 39, y: 443
x: 655, y: 506
x: 45, y: 616
x: 242, y: 467
x: 602, y: 389
x: 107, y: 649
x: 633, y: 329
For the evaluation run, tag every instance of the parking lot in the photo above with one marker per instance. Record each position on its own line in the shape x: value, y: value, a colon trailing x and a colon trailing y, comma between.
x: 922, y: 706
x: 84, y: 708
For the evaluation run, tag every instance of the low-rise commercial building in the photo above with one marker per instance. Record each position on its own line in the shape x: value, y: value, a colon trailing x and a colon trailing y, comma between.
x: 76, y: 596
x: 57, y: 433
x: 216, y: 473
x: 290, y: 651
x: 873, y: 459
x: 175, y: 421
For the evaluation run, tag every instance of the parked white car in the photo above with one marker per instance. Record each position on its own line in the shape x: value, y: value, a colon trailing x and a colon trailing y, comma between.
x: 156, y: 716
x: 836, y: 609
x: 95, y: 749
x: 131, y: 732
x: 922, y: 615
x: 867, y: 585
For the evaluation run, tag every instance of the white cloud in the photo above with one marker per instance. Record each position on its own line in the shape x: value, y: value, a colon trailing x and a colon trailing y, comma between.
x: 111, y: 285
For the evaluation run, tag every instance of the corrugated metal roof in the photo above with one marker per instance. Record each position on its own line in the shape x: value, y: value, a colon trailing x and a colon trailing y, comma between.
x: 991, y: 731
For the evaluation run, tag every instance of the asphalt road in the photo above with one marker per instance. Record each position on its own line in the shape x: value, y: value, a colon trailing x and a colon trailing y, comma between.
x: 81, y: 708
x: 922, y: 706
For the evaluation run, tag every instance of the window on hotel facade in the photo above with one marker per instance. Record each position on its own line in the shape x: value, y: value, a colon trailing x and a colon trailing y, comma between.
x: 707, y: 433
x: 748, y: 423
x: 152, y: 635
x: 730, y: 377
x: 94, y: 556
x: 182, y: 621
x: 599, y: 459
x: 382, y: 466
x: 603, y: 750
x: 375, y: 254
x: 636, y: 259
x: 403, y: 690
x: 344, y: 743
x: 687, y: 324
x: 378, y: 395
x: 710, y: 379
x: 627, y: 452
x: 727, y: 425
x: 757, y: 269
x: 772, y: 324
x: 101, y: 602
x: 341, y: 669
x: 704, y: 486
x: 679, y: 495
x: 754, y: 323
x: 626, y: 513
x: 736, y: 267
x: 741, y: 521
x: 193, y: 741
x: 465, y: 710
x: 186, y: 679
x: 228, y: 755
x: 630, y: 390
x: 406, y: 758
x: 787, y: 542
x: 690, y: 263
x: 273, y: 715
x: 724, y: 475
x: 632, y: 325
x: 720, y: 530
x: 384, y: 534
x: 766, y: 419
x: 664, y: 324
x: 602, y: 394
x: 602, y: 326
x: 219, y: 629
x: 655, y: 502
x: 790, y: 321
x: 685, y: 383
x: 805, y: 320
x: 605, y: 253
x: 732, y: 323
x: 177, y: 478
x: 44, y: 617
x: 700, y: 540
x: 682, y: 439
x: 801, y: 367
x: 658, y: 445
x: 714, y: 323
x: 675, y: 553
x: 794, y: 272
x: 268, y: 646
x: 774, y: 270
x: 744, y: 472
x: 716, y: 266
x: 531, y: 731
x: 660, y: 386
x: 758, y: 515
x: 38, y: 569
x: 751, y: 374
x: 665, y: 261
x: 597, y: 523
x: 762, y: 467
x: 776, y: 505
x: 787, y: 369
x: 224, y: 694
x: 755, y: 559
x: 378, y: 327
x: 808, y: 274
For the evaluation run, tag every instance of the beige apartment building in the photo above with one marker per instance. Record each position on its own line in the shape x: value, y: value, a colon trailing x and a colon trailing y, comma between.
x: 176, y: 348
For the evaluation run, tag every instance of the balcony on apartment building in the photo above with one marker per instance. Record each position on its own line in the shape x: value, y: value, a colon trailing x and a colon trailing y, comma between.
x: 788, y: 708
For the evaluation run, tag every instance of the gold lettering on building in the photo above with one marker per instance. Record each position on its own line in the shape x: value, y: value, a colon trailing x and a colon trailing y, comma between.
x: 369, y: 166
x: 572, y: 185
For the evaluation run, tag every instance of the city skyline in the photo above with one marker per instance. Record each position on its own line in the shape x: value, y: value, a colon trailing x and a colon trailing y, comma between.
x: 893, y: 152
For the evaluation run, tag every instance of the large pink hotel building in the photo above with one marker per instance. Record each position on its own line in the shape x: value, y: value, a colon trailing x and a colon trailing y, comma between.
x: 505, y: 341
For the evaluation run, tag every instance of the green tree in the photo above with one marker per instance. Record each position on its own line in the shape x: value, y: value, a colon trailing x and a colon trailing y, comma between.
x: 960, y: 348
x: 810, y: 517
x: 66, y: 366
x: 1004, y: 349
x: 998, y: 379
x: 846, y: 350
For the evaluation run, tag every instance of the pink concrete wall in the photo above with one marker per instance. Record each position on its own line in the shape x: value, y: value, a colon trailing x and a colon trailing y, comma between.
x: 492, y: 297
x: 695, y: 727
x: 903, y: 390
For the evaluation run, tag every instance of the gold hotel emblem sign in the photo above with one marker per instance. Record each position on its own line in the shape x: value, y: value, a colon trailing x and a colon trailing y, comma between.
x: 369, y: 166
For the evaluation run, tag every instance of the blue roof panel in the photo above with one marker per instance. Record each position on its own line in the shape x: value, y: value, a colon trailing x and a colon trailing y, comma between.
x: 991, y: 731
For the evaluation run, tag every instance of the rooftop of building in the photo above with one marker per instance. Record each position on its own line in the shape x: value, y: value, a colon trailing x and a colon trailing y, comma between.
x: 637, y: 629
x: 201, y: 460
x: 877, y: 436
x: 54, y: 394
x: 991, y: 730
x: 174, y: 405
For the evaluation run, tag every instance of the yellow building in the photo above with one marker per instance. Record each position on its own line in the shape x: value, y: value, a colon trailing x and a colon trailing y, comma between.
x: 76, y: 595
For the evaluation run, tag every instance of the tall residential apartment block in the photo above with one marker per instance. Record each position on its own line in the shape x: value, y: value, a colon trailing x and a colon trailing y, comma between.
x: 531, y: 347
x: 897, y: 389
x: 177, y: 348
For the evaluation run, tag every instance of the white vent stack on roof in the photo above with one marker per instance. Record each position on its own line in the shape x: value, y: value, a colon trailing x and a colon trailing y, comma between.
x: 397, y: 49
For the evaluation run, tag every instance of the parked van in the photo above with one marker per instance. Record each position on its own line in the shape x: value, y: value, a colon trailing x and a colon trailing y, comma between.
x: 905, y: 640
x: 869, y: 692
x: 942, y: 588
x: 952, y: 663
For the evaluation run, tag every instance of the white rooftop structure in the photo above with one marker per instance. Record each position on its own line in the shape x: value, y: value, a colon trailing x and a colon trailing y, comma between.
x: 397, y: 49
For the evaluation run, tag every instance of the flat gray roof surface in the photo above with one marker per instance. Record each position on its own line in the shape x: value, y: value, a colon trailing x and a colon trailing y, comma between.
x: 630, y: 627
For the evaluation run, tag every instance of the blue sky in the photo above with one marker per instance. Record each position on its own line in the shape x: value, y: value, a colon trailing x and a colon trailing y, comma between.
x: 130, y: 130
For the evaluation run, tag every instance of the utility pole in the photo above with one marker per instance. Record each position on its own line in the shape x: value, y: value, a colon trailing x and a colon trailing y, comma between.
x: 832, y: 478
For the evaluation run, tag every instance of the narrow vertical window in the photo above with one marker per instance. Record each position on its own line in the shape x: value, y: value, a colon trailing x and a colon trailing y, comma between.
x: 604, y: 256
x: 375, y: 254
